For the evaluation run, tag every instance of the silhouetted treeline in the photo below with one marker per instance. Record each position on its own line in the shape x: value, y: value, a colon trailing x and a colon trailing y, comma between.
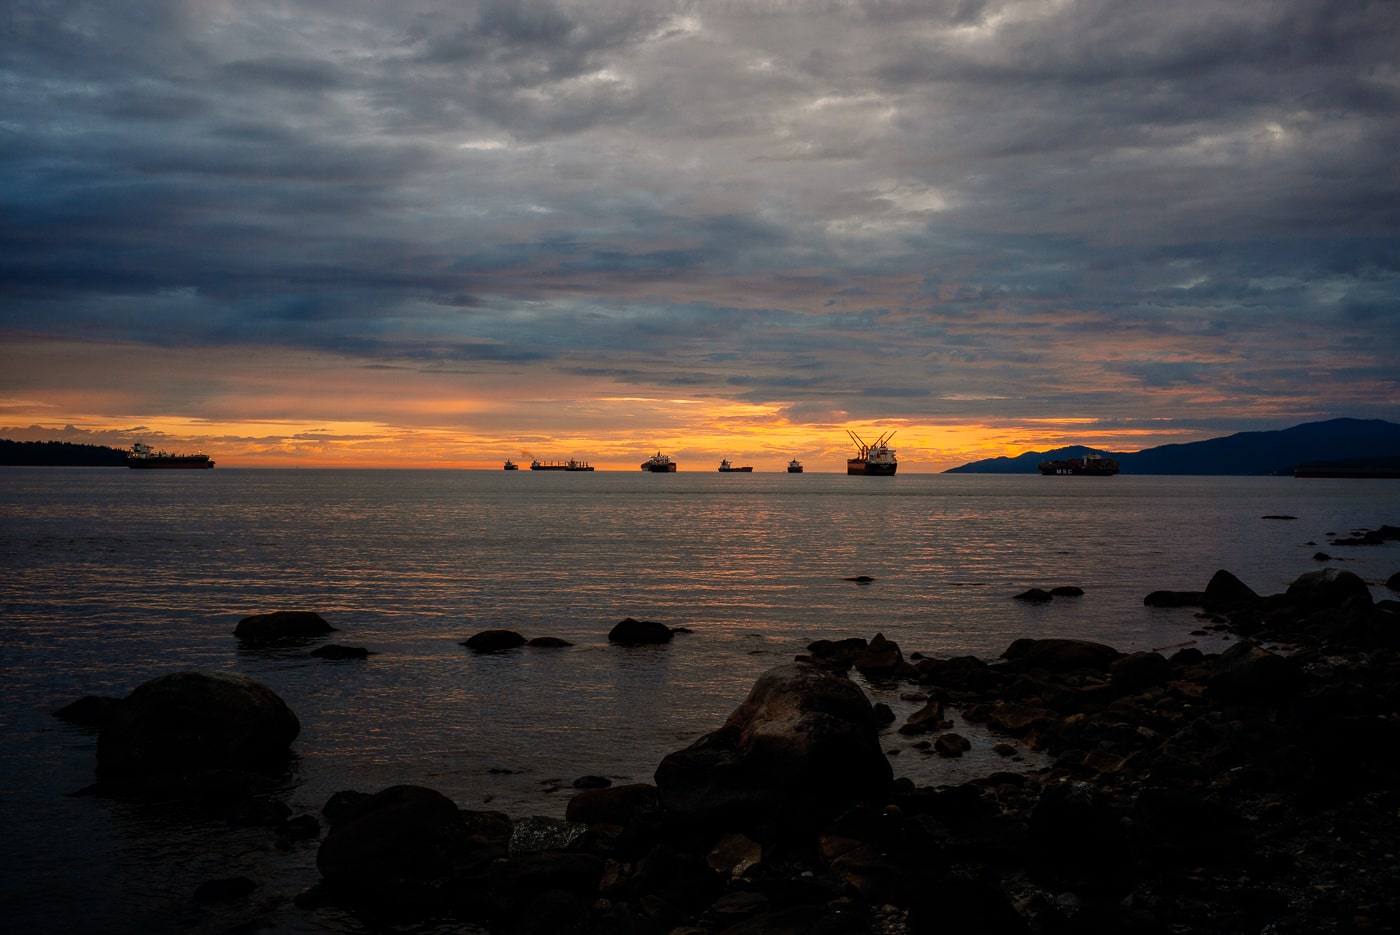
x: 59, y: 454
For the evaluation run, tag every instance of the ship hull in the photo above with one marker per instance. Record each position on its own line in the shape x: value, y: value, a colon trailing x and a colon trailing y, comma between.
x: 796, y: 470
x: 168, y: 463
x: 861, y: 468
x: 661, y: 469
x: 1075, y: 469
x: 737, y: 470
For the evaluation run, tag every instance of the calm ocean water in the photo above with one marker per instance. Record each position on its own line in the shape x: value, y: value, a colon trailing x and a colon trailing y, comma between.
x: 111, y: 577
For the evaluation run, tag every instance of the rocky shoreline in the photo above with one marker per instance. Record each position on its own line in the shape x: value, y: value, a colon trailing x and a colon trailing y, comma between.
x: 1251, y: 790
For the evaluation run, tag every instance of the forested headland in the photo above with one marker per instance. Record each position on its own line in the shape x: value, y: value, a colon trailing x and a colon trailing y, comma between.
x: 59, y: 454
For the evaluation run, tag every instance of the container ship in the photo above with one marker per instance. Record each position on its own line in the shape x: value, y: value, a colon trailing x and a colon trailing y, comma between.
x: 726, y: 468
x: 1091, y: 465
x: 659, y: 464
x: 143, y: 456
x: 570, y: 465
x: 875, y: 460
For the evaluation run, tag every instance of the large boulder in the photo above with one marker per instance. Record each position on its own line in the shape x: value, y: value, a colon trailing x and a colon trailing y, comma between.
x: 630, y: 632
x: 282, y: 626
x: 1247, y: 674
x: 1059, y: 655
x: 1226, y: 592
x: 1328, y: 589
x: 401, y: 835
x: 803, y: 742
x: 191, y: 721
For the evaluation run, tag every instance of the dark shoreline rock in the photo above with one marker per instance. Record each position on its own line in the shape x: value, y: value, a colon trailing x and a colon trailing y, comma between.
x: 1249, y: 790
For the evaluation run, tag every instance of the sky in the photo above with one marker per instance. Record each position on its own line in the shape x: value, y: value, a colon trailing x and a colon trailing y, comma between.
x: 436, y: 234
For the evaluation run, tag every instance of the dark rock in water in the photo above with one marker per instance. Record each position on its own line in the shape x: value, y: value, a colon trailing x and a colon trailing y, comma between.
x: 630, y: 632
x: 1329, y: 588
x: 951, y: 745
x: 1175, y: 599
x: 1393, y: 582
x: 616, y: 805
x: 1226, y: 592
x: 880, y: 659
x: 195, y: 721
x: 1277, y: 516
x: 860, y: 579
x: 1059, y: 655
x: 336, y: 651
x: 1067, y: 590
x: 549, y: 642
x: 402, y: 834
x: 493, y: 641
x: 803, y: 742
x: 1372, y: 537
x: 281, y: 626
x: 884, y: 714
x: 1035, y: 596
x: 1247, y: 674
x: 1321, y: 557
x: 926, y: 719
x: 592, y: 782
x: 224, y: 890
x: 91, y: 711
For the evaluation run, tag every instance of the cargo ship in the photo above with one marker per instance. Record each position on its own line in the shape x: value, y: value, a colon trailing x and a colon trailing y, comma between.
x: 144, y: 456
x: 659, y: 464
x: 794, y: 466
x: 875, y: 460
x: 510, y: 465
x: 1091, y: 465
x: 726, y: 468
x: 570, y: 465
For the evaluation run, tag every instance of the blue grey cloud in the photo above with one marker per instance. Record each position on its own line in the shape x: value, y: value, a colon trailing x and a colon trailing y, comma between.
x: 921, y: 210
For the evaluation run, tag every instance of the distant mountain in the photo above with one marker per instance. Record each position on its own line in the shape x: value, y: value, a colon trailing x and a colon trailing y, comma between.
x: 1243, y: 453
x: 59, y: 454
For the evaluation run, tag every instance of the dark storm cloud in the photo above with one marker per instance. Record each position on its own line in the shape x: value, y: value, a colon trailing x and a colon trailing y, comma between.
x: 910, y: 202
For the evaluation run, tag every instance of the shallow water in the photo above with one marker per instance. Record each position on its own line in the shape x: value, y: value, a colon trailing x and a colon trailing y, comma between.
x: 112, y: 577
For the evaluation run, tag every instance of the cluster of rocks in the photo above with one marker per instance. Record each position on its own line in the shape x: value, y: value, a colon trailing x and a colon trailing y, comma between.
x: 1252, y: 790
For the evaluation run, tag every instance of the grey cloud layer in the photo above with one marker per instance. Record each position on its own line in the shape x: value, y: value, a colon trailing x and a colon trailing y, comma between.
x: 907, y: 202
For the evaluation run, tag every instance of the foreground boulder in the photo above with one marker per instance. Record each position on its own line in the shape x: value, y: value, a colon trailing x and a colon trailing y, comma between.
x: 282, y: 626
x: 400, y: 836
x: 804, y: 742
x: 190, y: 721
